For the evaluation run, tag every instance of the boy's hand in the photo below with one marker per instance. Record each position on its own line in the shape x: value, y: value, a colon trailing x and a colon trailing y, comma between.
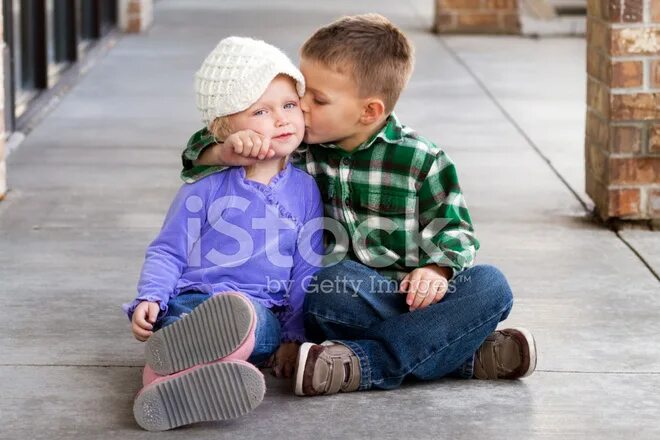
x: 425, y: 286
x: 284, y: 359
x: 144, y: 318
x: 239, y: 149
x: 249, y: 144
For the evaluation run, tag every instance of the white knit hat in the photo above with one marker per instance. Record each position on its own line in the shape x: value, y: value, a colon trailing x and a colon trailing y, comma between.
x: 236, y: 73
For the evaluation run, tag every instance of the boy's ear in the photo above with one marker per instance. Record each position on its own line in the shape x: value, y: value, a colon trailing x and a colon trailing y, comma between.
x: 373, y: 111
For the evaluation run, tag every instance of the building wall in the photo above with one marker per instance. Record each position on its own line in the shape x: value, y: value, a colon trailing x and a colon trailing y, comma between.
x: 135, y: 15
x: 477, y: 16
x: 622, y: 147
x: 3, y: 165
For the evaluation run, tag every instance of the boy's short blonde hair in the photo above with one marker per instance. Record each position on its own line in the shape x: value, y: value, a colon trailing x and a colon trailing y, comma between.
x: 378, y: 55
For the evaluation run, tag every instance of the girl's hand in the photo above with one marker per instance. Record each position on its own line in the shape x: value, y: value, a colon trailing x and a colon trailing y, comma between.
x: 144, y: 317
x: 284, y: 359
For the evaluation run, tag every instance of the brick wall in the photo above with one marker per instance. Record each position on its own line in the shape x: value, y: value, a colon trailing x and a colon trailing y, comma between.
x: 477, y: 16
x: 3, y: 167
x: 622, y: 147
x: 135, y: 15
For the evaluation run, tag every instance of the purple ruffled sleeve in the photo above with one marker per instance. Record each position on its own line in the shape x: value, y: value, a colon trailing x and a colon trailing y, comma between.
x: 167, y: 256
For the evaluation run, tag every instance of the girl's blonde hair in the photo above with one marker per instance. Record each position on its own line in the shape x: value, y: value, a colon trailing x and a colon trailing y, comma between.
x: 220, y: 128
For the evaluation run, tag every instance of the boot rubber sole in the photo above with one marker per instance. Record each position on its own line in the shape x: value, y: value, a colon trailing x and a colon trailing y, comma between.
x: 212, y: 392
x: 213, y: 330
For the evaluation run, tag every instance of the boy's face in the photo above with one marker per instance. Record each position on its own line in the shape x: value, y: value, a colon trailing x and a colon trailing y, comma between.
x: 332, y: 106
x: 276, y: 115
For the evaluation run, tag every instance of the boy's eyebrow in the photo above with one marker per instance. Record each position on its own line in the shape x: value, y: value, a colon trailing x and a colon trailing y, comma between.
x: 317, y: 91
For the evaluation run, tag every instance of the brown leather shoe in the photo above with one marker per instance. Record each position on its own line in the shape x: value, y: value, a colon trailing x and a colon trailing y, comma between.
x: 506, y: 354
x: 328, y: 368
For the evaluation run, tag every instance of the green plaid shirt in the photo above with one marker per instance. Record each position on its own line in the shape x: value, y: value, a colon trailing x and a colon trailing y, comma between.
x: 394, y: 203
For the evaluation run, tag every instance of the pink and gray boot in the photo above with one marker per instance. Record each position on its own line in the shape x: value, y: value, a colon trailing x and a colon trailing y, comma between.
x: 196, y: 367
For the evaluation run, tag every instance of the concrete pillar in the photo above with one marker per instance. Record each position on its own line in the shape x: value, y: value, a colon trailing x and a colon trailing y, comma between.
x: 477, y: 16
x: 135, y: 15
x: 622, y: 147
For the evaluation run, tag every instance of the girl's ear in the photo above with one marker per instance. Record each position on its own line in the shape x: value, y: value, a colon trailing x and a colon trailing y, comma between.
x: 373, y: 111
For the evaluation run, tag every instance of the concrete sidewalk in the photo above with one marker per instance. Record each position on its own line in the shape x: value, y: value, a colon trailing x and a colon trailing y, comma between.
x: 91, y: 183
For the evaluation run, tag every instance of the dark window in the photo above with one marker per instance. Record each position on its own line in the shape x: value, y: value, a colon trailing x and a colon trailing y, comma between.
x: 44, y: 37
x: 32, y: 43
x: 108, y: 15
x: 64, y: 31
x: 89, y: 20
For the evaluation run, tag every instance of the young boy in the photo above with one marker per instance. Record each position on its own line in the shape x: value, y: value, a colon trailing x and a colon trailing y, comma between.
x: 386, y: 311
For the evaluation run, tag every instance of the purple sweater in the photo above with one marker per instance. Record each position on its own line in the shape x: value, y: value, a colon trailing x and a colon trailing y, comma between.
x: 222, y: 233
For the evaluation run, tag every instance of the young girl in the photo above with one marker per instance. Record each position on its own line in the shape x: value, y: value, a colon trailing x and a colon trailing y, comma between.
x: 224, y: 281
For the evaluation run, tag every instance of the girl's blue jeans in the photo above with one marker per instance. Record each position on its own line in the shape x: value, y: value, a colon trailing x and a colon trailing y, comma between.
x: 267, y: 331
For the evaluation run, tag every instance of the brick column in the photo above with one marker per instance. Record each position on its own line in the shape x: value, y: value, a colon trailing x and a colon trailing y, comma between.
x: 135, y: 15
x: 3, y: 166
x: 476, y: 16
x: 622, y: 146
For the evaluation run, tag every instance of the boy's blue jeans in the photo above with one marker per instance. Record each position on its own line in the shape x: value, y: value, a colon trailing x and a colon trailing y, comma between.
x: 363, y: 310
x: 267, y: 330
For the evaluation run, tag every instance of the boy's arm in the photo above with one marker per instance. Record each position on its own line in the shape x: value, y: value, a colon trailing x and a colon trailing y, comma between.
x: 204, y: 155
x: 448, y: 238
x: 198, y: 159
x: 306, y: 262
x: 167, y: 256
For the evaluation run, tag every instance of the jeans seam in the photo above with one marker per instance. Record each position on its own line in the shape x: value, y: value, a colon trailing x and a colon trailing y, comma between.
x: 335, y: 320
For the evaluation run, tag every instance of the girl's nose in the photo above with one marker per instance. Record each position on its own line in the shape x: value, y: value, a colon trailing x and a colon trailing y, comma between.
x: 280, y: 119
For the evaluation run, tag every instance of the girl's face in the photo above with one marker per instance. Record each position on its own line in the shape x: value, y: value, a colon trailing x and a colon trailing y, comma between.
x: 276, y: 115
